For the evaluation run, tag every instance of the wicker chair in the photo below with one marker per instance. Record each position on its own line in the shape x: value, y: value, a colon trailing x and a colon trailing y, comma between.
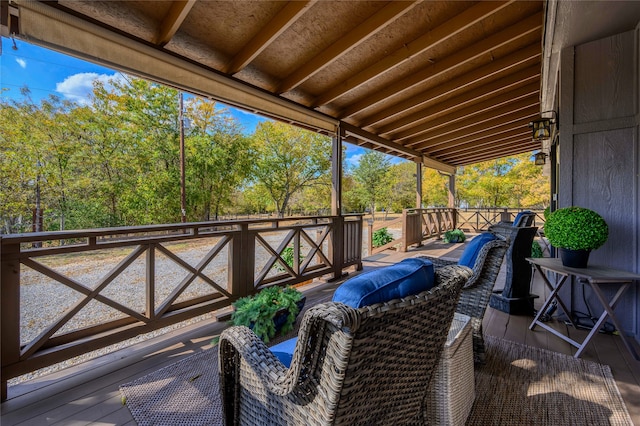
x: 363, y: 366
x: 478, y: 289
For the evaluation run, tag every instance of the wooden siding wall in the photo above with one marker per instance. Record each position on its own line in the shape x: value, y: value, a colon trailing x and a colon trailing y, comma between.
x: 598, y: 156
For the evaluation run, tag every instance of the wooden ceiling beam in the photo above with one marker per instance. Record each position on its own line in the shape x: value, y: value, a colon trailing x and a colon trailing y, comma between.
x: 517, y: 123
x: 173, y: 20
x: 523, y: 80
x: 280, y: 22
x: 510, y: 35
x: 506, y: 138
x: 503, y: 103
x: 490, y: 143
x: 360, y: 33
x: 522, y: 58
x: 473, y: 115
x: 518, y: 120
x: 434, y: 37
x: 515, y: 147
x: 351, y: 130
x: 485, y: 150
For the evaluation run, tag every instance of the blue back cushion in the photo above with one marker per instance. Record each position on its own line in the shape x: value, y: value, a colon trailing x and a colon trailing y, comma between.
x: 470, y: 253
x: 520, y: 216
x: 411, y: 276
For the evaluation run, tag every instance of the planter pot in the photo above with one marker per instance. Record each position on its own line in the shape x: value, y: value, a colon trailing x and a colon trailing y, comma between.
x: 281, y: 316
x: 574, y: 258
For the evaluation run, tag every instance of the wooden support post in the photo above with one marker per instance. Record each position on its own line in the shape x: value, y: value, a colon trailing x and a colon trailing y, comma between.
x: 405, y: 230
x: 418, y: 185
x: 241, y: 261
x: 336, y: 173
x: 9, y: 309
x: 338, y: 246
x: 151, y: 282
x: 452, y: 190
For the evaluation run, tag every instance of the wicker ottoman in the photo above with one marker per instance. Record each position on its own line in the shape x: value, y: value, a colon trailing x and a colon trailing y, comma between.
x: 452, y: 389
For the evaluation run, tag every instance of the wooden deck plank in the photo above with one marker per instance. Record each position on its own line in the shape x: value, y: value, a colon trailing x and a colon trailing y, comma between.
x: 120, y: 417
x: 81, y: 396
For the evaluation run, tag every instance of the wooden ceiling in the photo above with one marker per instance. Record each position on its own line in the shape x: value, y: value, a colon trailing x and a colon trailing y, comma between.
x: 454, y: 81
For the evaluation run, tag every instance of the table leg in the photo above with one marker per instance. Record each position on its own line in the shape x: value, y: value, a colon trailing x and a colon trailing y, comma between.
x: 553, y: 295
x: 608, y: 312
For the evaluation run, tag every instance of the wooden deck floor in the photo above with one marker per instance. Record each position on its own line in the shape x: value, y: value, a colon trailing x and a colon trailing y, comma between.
x: 88, y: 394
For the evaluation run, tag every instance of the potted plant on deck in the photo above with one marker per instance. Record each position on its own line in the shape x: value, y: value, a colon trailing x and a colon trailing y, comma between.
x: 454, y: 236
x: 575, y: 231
x: 272, y: 310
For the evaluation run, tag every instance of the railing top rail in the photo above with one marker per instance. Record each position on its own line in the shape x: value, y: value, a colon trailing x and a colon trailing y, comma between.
x: 175, y: 227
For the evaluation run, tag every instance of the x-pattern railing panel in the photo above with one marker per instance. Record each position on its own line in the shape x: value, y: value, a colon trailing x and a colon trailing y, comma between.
x: 306, y: 251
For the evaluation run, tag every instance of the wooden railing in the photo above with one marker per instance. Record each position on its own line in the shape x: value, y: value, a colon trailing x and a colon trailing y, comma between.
x: 479, y: 220
x: 417, y: 225
x: 169, y: 273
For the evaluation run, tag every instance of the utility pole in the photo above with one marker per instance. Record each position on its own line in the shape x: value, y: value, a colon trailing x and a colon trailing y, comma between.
x: 183, y: 195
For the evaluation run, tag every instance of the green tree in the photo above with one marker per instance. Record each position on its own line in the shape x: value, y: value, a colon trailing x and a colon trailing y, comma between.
x: 372, y: 177
x: 289, y: 159
x: 530, y: 187
x: 402, y: 177
x: 17, y: 167
x: 435, y: 188
x: 506, y: 182
x: 220, y: 158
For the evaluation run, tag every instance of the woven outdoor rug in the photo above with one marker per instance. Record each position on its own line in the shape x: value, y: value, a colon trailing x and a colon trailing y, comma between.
x: 519, y: 385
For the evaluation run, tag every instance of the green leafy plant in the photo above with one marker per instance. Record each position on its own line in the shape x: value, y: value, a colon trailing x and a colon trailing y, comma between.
x: 287, y: 256
x: 576, y: 228
x: 381, y: 237
x: 454, y: 236
x: 259, y: 311
x: 536, y: 250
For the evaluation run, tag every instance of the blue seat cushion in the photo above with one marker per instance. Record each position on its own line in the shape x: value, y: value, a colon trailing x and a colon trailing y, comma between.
x: 284, y: 351
x: 411, y: 276
x: 470, y: 253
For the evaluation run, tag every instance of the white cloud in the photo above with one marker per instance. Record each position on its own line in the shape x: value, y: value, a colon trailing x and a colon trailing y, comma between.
x: 353, y: 160
x: 79, y: 87
x: 21, y: 62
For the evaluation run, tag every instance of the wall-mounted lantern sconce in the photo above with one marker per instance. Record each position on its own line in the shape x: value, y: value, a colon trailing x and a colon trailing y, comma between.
x: 540, y: 158
x: 541, y: 128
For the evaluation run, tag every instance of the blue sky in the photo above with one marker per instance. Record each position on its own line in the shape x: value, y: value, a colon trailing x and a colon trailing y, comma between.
x: 46, y: 72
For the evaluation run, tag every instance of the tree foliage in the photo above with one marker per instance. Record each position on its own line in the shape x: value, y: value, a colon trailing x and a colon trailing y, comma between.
x: 373, y: 177
x: 115, y: 161
x: 289, y: 160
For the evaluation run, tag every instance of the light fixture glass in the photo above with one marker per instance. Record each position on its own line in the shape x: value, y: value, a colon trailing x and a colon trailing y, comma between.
x: 541, y: 129
x: 540, y: 159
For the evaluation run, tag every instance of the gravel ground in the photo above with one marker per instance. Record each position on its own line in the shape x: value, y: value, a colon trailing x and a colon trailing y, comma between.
x: 44, y: 300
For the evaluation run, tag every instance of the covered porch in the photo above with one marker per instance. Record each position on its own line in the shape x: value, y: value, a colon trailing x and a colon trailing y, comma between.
x: 89, y: 393
x: 461, y: 92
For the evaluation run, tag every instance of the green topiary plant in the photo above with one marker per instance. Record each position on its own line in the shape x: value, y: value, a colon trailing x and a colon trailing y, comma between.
x: 259, y: 311
x: 454, y: 236
x: 576, y: 228
x: 381, y: 237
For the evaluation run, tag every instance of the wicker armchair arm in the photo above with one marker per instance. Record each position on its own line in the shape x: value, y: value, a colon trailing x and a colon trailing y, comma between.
x: 280, y: 380
x: 452, y: 272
